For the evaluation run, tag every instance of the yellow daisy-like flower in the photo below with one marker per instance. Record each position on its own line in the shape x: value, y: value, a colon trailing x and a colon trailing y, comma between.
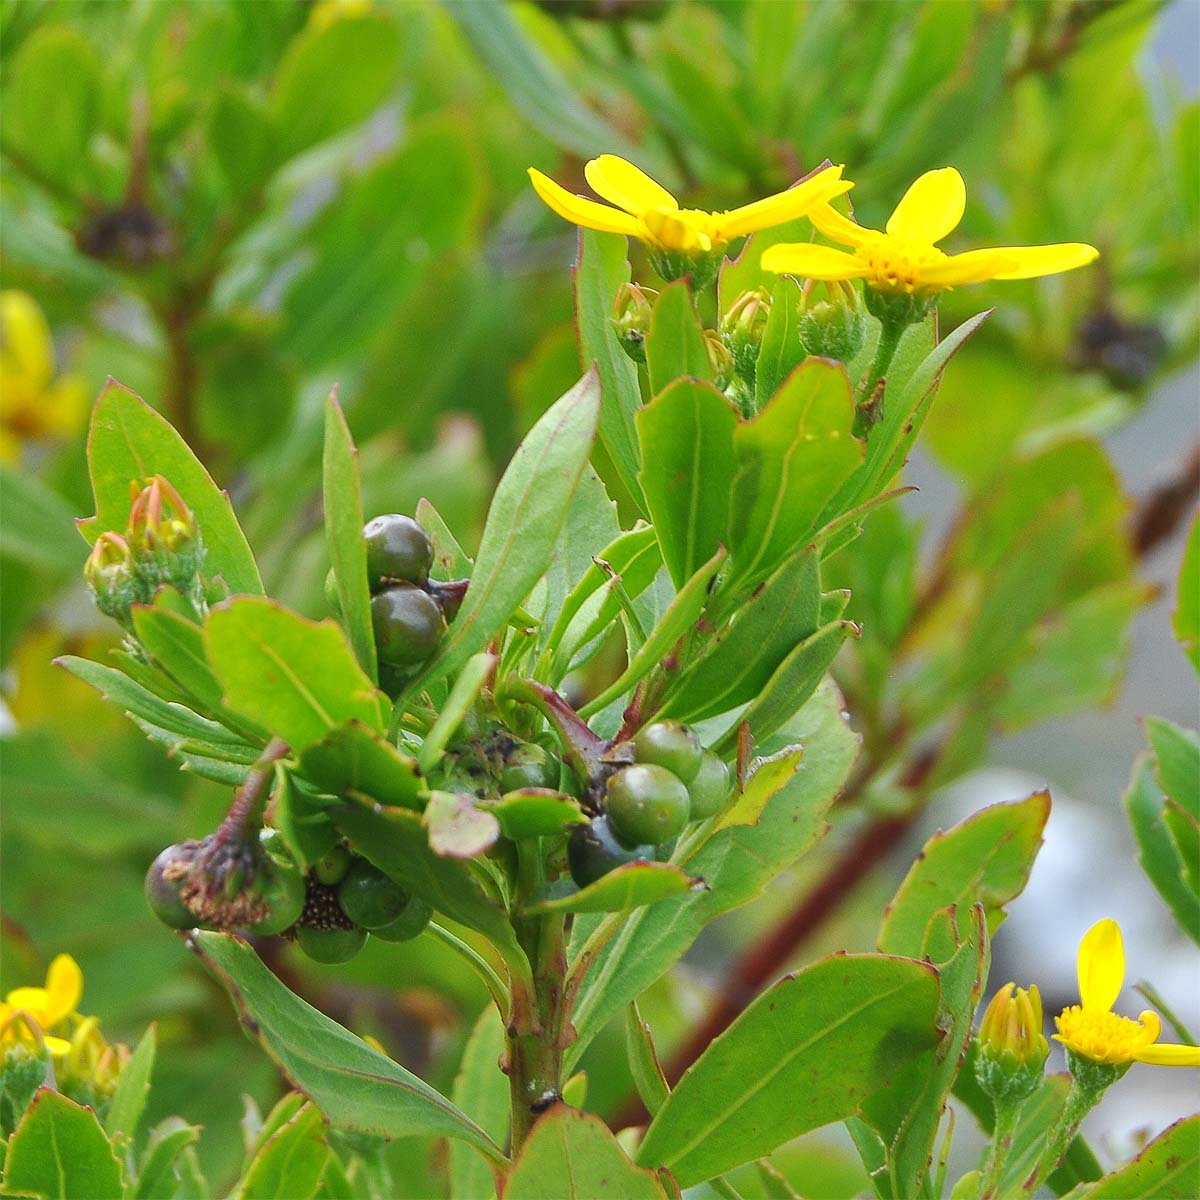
x: 34, y: 406
x: 1092, y: 1030
x: 902, y: 258
x: 48, y: 1007
x: 646, y: 210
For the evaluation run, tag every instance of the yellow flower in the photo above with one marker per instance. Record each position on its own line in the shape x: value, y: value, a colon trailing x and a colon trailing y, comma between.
x: 1012, y: 1024
x: 48, y: 1007
x: 1092, y: 1030
x: 646, y: 210
x: 33, y: 405
x: 903, y: 257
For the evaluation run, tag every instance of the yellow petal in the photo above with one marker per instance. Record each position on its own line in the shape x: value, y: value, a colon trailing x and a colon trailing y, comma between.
x: 25, y: 342
x: 1101, y: 966
x: 813, y: 262
x: 1032, y: 261
x: 678, y: 230
x: 33, y: 1000
x: 623, y: 184
x: 975, y: 266
x: 931, y: 207
x: 58, y: 1047
x: 581, y: 211
x: 785, y: 206
x: 1168, y: 1055
x: 64, y: 987
x: 841, y: 229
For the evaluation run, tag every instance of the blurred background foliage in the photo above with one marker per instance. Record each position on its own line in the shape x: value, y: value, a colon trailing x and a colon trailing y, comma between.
x: 232, y: 206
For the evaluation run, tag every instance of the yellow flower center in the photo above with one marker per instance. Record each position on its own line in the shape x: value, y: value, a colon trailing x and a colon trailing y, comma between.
x: 896, y: 263
x: 688, y: 229
x: 1106, y: 1036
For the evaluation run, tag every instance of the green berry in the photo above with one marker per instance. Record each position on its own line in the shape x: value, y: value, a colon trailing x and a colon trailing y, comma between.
x: 528, y: 766
x: 369, y: 897
x: 408, y: 625
x: 330, y: 945
x: 331, y: 867
x: 593, y: 850
x: 411, y: 922
x: 710, y: 788
x: 647, y: 805
x: 162, y: 894
x: 398, y: 550
x: 669, y: 744
x: 282, y: 886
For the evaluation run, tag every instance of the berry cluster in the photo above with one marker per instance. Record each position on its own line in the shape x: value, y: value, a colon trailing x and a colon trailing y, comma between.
x: 648, y: 803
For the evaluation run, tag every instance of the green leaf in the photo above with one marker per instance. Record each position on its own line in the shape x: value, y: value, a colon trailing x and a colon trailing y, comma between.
x: 572, y: 1153
x: 790, y: 459
x: 626, y: 887
x: 355, y: 1087
x: 354, y: 759
x: 526, y: 513
x: 344, y: 535
x: 985, y: 859
x: 396, y: 841
x: 315, y: 96
x: 243, y: 139
x: 739, y: 660
x: 1158, y: 852
x: 475, y: 673
x: 457, y: 829
x: 680, y: 616
x: 794, y: 681
x: 781, y: 351
x: 59, y: 1152
x: 686, y: 434
x: 290, y: 1163
x: 769, y: 777
x: 481, y: 1091
x: 602, y: 267
x: 35, y: 522
x: 535, y: 812
x: 450, y: 560
x: 52, y: 103
x: 1186, y: 618
x: 622, y: 955
x: 534, y: 84
x: 304, y: 820
x: 129, y: 1098
x: 675, y: 344
x: 805, y: 1053
x: 128, y: 441
x: 295, y: 677
x: 1178, y: 763
x: 156, y: 1169
x: 644, y: 1066
x: 1166, y: 1170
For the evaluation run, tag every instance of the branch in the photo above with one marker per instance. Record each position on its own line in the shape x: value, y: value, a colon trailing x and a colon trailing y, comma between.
x: 1158, y: 514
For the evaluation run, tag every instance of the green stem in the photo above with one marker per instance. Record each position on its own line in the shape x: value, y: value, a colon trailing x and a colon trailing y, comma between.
x: 250, y: 800
x: 1002, y: 1136
x: 493, y: 982
x: 870, y: 397
x: 1080, y: 1101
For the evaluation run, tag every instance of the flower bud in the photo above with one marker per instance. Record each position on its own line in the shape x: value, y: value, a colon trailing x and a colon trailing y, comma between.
x: 720, y: 360
x: 632, y: 311
x: 164, y: 539
x: 112, y: 578
x: 1012, y: 1047
x: 835, y: 327
x: 742, y: 329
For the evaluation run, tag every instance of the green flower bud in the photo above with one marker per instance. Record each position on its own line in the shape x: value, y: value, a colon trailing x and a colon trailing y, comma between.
x: 835, y: 327
x: 632, y: 311
x: 112, y: 579
x: 742, y: 328
x: 165, y: 540
x: 1012, y: 1047
x: 899, y: 308
x: 720, y: 359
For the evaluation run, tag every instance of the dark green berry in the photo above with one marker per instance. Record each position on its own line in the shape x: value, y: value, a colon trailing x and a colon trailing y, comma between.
x: 281, y: 886
x: 330, y: 945
x: 408, y: 625
x: 528, y: 766
x: 669, y: 744
x: 162, y: 892
x: 593, y: 850
x: 647, y: 805
x: 332, y: 866
x: 398, y: 550
x: 709, y: 790
x: 411, y: 922
x: 369, y: 897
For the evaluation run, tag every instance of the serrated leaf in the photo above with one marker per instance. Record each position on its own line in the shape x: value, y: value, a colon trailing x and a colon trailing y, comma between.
x: 805, y: 1053
x: 295, y: 677
x: 1166, y: 1170
x: 344, y: 534
x: 675, y: 346
x: 630, y: 886
x: 356, y: 1087
x: 128, y: 441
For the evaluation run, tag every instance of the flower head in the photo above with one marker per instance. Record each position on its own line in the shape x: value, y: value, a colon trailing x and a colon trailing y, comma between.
x: 34, y: 406
x: 1092, y: 1030
x: 902, y: 258
x: 47, y: 1007
x: 646, y: 210
x: 1012, y: 1047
